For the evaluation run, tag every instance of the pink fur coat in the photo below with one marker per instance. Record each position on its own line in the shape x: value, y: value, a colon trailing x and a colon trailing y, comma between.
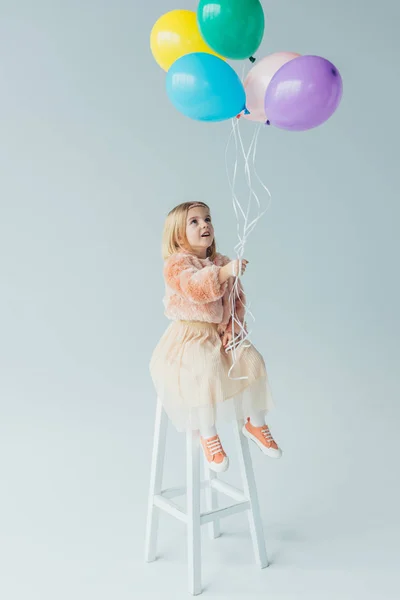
x: 193, y: 291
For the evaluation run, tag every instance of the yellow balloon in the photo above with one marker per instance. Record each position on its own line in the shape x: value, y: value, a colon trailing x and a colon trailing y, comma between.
x: 175, y: 34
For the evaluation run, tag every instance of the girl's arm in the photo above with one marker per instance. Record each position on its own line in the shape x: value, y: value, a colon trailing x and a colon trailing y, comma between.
x: 240, y: 304
x: 240, y: 300
x: 197, y: 285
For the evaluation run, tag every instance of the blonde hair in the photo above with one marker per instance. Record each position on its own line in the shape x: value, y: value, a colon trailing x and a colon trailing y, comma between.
x: 174, y: 234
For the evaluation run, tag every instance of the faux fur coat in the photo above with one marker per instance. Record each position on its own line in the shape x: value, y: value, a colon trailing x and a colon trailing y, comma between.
x: 193, y: 291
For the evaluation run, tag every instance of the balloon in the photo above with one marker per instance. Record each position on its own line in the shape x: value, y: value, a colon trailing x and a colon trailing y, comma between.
x: 303, y: 94
x: 175, y: 34
x: 233, y: 28
x: 205, y: 88
x: 257, y: 81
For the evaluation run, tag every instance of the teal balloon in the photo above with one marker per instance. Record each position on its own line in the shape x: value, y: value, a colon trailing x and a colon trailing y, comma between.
x: 205, y: 88
x: 233, y: 28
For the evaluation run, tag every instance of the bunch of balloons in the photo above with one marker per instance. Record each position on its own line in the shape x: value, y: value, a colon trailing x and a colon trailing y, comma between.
x: 283, y: 89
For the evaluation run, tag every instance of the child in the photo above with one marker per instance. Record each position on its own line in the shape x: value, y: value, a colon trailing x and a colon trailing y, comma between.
x: 190, y: 364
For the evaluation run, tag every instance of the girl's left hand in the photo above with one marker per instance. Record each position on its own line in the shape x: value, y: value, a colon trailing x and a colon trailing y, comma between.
x: 226, y: 338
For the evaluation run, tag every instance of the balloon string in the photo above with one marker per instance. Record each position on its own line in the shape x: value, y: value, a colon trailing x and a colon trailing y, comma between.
x: 238, y: 339
x: 243, y: 72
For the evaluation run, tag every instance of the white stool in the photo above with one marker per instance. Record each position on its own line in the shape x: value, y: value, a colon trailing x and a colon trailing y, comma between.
x: 160, y: 499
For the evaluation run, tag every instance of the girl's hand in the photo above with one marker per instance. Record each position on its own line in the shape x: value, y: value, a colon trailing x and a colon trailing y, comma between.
x: 226, y: 338
x: 231, y: 269
x: 235, y: 265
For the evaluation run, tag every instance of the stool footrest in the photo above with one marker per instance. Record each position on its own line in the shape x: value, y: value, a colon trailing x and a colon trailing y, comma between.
x: 170, y: 507
x: 179, y: 491
x: 214, y: 515
x: 228, y: 490
x: 217, y: 484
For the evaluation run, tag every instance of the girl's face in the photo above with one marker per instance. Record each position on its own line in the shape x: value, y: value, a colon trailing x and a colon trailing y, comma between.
x: 199, y: 229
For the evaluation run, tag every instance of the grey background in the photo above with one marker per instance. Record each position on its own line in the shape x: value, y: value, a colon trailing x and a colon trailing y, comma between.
x: 92, y: 157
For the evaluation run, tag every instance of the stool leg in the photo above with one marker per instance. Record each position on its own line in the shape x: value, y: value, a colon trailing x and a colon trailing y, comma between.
x: 157, y: 464
x: 193, y: 511
x: 250, y: 489
x: 214, y: 530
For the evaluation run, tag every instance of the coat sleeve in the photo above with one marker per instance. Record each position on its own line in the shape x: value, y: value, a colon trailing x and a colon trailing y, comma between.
x: 240, y: 308
x: 197, y: 285
x: 240, y: 303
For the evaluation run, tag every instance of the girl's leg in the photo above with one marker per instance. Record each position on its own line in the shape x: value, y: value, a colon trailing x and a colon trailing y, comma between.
x: 207, y: 431
x: 206, y: 419
x: 257, y: 417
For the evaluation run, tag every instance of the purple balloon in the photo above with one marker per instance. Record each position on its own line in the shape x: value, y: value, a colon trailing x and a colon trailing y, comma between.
x: 303, y: 93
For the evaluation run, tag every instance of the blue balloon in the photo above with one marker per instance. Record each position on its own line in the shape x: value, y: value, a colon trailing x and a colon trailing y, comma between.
x: 205, y: 88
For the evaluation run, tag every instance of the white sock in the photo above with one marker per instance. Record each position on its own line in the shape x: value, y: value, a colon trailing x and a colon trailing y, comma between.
x: 208, y: 431
x: 257, y: 418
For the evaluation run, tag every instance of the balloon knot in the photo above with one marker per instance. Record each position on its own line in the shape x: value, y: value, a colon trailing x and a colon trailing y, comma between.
x: 252, y: 59
x: 268, y: 122
x: 246, y: 111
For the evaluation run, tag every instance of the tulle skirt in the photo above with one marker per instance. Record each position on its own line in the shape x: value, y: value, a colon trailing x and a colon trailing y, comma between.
x: 189, y: 368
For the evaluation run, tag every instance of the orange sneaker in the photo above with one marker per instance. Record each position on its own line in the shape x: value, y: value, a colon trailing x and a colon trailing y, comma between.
x: 263, y: 438
x: 214, y: 453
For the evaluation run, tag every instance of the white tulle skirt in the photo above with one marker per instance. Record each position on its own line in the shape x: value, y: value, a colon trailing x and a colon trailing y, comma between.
x: 189, y: 368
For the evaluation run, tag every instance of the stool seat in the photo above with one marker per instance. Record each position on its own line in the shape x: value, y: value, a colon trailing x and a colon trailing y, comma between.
x: 161, y: 499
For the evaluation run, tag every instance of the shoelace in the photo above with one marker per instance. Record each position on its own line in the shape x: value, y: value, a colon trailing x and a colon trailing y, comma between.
x: 267, y: 434
x: 214, y: 446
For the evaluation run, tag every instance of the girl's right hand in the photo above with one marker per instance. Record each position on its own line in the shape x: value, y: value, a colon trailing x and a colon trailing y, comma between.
x: 234, y: 267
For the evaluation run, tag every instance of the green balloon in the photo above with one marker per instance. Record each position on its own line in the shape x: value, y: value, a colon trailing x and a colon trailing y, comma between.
x: 233, y: 28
